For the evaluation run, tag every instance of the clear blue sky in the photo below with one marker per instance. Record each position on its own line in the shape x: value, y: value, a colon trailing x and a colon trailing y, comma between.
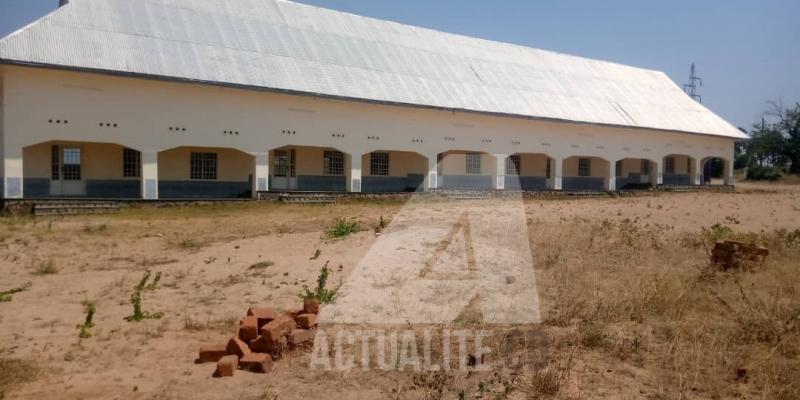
x: 748, y: 52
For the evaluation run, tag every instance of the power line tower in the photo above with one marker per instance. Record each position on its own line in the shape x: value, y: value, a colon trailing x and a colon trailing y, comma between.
x: 691, y: 87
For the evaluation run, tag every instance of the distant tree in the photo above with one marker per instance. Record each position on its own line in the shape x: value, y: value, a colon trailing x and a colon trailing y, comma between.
x: 775, y: 143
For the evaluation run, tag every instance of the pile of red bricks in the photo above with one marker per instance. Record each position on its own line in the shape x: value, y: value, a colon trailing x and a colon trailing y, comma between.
x: 732, y: 254
x: 264, y: 336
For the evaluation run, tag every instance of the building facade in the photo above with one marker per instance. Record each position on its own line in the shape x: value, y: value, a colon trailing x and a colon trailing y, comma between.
x: 96, y: 116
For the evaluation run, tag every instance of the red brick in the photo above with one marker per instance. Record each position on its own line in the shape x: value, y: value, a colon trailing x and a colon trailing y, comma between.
x: 264, y: 314
x: 257, y: 362
x: 212, y: 353
x: 227, y: 365
x: 301, y: 336
x: 277, y: 328
x: 259, y: 346
x: 306, y: 321
x: 238, y: 347
x: 311, y: 306
x: 248, y: 328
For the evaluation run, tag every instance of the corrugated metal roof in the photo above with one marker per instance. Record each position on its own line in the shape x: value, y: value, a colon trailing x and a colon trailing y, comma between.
x: 288, y: 46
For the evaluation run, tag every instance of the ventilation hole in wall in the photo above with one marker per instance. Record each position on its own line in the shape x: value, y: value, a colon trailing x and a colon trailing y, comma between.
x: 115, y: 125
x: 50, y: 121
x: 183, y: 129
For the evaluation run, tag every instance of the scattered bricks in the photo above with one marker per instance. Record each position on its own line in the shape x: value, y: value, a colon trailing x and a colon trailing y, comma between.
x: 259, y: 346
x: 226, y: 366
x: 212, y: 353
x: 306, y: 321
x: 732, y: 254
x: 311, y: 306
x: 301, y: 336
x: 264, y: 314
x: 248, y: 328
x: 273, y: 331
x: 257, y: 362
x: 238, y: 347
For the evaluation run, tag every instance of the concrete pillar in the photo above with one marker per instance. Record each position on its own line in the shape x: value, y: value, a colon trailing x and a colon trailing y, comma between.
x: 727, y: 172
x: 432, y: 178
x: 354, y: 177
x: 660, y: 172
x: 500, y: 171
x: 612, y: 176
x: 556, y: 172
x: 150, y: 174
x: 11, y: 187
x: 261, y: 173
x: 696, y: 172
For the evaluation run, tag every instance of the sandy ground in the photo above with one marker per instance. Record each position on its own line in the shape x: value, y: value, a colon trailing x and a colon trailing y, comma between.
x: 205, y: 258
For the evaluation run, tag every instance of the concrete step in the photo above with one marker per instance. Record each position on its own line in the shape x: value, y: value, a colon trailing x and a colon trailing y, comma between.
x: 308, y: 198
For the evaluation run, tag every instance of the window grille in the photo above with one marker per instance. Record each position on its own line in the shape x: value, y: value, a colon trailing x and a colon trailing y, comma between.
x: 547, y: 167
x: 333, y: 162
x: 379, y: 163
x: 646, y: 167
x: 669, y: 165
x: 584, y: 167
x: 513, y: 165
x: 131, y: 163
x: 55, y: 163
x: 618, y: 168
x: 204, y: 166
x: 72, y: 164
x: 473, y: 163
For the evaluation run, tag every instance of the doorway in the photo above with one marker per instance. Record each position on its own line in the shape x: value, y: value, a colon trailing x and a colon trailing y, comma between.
x: 284, y: 177
x: 66, y: 172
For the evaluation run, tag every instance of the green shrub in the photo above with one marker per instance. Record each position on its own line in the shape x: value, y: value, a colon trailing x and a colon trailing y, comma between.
x: 321, y: 293
x: 758, y: 173
x: 342, y: 228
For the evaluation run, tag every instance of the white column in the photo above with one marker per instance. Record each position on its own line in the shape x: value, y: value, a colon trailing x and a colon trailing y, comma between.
x: 727, y: 172
x: 612, y: 176
x: 432, y: 178
x: 150, y: 174
x: 660, y: 172
x: 500, y: 171
x: 261, y: 173
x: 12, y: 173
x: 696, y: 172
x: 354, y: 177
x: 556, y: 172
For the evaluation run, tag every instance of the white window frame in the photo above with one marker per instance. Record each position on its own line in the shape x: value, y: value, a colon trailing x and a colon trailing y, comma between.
x: 473, y: 164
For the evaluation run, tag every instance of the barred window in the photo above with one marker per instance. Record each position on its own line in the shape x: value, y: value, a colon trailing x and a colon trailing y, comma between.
x: 688, y: 165
x: 513, y: 165
x: 55, y: 163
x: 646, y: 167
x: 333, y: 162
x: 439, y: 164
x: 618, y: 168
x: 379, y: 163
x: 547, y: 168
x: 584, y: 167
x: 473, y: 163
x: 72, y: 164
x: 203, y: 166
x: 131, y: 163
x: 669, y: 165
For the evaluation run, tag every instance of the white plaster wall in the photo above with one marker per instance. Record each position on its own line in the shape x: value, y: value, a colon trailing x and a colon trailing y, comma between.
x: 145, y: 109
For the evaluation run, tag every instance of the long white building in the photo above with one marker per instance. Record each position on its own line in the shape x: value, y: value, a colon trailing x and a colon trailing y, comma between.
x: 210, y: 99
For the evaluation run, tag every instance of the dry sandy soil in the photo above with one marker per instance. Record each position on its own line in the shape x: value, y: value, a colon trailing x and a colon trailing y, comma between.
x: 630, y: 307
